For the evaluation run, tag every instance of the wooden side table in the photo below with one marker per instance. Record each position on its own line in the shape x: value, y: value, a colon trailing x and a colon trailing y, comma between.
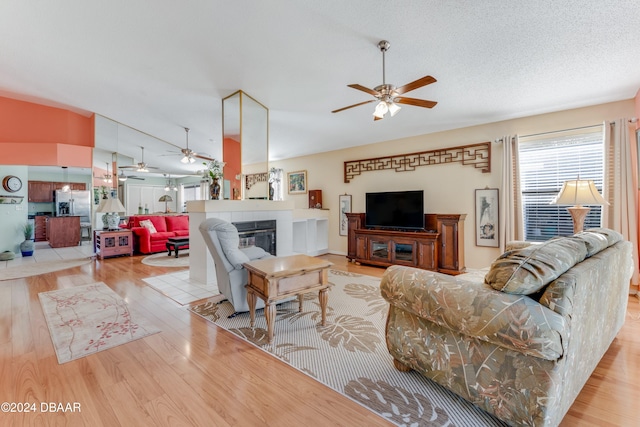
x: 274, y: 279
x: 109, y: 243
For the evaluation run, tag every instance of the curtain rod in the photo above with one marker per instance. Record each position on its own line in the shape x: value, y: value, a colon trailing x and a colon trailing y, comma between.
x: 558, y: 131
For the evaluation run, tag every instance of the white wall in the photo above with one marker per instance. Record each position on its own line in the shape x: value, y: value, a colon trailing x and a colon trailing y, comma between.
x: 449, y: 188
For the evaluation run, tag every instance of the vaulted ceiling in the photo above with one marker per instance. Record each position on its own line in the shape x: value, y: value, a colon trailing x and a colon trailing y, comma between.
x: 164, y: 65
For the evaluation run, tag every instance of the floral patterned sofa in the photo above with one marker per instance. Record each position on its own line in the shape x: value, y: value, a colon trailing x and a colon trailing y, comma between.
x: 521, y: 343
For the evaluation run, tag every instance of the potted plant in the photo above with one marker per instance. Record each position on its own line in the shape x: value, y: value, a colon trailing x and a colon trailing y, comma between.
x: 214, y: 168
x: 27, y: 247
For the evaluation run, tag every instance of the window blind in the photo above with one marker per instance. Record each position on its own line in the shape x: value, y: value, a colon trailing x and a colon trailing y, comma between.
x: 545, y: 163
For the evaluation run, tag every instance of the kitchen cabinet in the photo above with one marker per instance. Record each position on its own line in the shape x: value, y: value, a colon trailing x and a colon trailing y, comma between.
x: 63, y: 231
x: 40, y: 191
x: 43, y: 191
x: 40, y: 233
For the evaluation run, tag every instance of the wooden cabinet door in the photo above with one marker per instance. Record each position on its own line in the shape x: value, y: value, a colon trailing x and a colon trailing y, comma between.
x: 361, y: 247
x: 40, y: 191
x: 40, y: 232
x: 78, y: 186
x: 427, y: 255
x: 354, y: 222
x: 451, y: 228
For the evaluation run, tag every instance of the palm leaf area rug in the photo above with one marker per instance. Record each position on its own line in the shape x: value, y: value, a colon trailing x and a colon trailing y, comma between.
x: 350, y: 355
x: 83, y: 320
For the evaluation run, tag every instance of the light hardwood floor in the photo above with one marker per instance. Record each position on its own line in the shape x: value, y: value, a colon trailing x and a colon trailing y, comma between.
x: 195, y: 374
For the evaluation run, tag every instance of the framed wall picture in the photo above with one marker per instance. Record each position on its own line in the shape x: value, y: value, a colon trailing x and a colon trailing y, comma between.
x: 297, y: 182
x: 487, y: 218
x: 345, y: 208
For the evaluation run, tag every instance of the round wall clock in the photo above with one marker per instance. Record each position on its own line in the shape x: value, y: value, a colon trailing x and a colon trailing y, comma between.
x: 12, y: 183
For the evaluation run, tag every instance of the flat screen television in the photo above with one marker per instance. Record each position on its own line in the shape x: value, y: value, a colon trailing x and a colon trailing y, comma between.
x: 395, y: 209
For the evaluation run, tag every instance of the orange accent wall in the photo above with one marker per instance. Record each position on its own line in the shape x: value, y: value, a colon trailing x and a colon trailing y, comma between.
x: 233, y: 166
x: 34, y: 134
x: 638, y: 109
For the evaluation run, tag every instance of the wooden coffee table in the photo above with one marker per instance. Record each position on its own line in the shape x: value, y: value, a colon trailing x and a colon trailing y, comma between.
x: 274, y: 279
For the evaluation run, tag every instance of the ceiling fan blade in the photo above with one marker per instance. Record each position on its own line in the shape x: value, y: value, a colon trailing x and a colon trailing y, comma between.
x: 128, y: 167
x: 203, y: 157
x: 417, y: 102
x: 364, y: 89
x: 354, y: 105
x: 426, y: 80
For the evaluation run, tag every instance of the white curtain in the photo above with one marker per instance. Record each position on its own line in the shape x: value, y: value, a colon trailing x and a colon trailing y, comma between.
x: 511, y: 227
x: 621, y: 185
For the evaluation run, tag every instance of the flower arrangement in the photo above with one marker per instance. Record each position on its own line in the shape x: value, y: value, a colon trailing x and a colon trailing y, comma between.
x: 214, y: 168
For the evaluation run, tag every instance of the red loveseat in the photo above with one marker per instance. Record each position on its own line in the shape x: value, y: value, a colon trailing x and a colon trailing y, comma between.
x: 166, y: 226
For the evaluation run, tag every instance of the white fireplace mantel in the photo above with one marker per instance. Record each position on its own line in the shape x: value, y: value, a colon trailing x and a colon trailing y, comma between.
x: 201, y: 266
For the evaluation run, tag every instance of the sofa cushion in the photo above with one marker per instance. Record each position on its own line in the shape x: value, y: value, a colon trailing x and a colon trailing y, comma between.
x: 148, y: 225
x: 526, y: 271
x: 612, y: 236
x: 181, y: 233
x: 161, y: 235
x: 595, y: 242
x: 158, y: 221
x: 177, y: 222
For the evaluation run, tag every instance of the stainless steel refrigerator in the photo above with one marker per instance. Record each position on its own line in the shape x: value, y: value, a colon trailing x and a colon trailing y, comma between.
x: 74, y: 202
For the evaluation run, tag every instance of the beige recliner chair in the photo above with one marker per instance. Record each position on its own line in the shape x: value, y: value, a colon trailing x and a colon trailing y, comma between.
x: 222, y: 240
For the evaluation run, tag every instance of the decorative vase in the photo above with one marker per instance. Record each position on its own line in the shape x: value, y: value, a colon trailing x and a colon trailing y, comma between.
x: 215, y: 189
x: 27, y: 247
x: 113, y: 219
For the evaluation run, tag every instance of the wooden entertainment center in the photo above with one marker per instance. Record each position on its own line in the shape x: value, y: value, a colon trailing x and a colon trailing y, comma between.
x: 439, y: 248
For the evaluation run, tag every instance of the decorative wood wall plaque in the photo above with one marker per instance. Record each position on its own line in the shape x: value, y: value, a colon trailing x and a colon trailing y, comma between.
x: 476, y: 155
x: 253, y: 178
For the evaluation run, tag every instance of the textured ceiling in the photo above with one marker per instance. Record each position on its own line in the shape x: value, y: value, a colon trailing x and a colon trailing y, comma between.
x: 162, y: 68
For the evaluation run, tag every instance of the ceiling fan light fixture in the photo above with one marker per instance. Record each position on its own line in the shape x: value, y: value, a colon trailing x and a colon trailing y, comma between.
x: 393, y: 108
x: 185, y: 160
x: 381, y: 109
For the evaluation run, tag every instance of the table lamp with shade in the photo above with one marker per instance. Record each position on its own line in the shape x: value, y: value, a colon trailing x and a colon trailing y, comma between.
x: 579, y: 192
x: 111, y: 209
x: 166, y: 199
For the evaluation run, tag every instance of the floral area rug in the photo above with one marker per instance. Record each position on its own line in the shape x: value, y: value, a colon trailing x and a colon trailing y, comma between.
x: 86, y: 319
x: 350, y: 355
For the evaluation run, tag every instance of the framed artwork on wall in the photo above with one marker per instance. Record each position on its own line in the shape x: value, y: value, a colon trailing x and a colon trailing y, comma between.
x: 297, y: 182
x: 487, y: 218
x: 345, y: 208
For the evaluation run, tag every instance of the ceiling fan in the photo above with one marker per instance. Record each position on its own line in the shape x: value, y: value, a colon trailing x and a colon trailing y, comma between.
x: 106, y: 177
x: 189, y: 156
x: 140, y: 167
x: 123, y: 177
x: 388, y: 96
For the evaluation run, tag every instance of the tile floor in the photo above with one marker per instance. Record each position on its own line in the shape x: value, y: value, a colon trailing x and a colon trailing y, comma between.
x: 180, y: 288
x: 43, y: 252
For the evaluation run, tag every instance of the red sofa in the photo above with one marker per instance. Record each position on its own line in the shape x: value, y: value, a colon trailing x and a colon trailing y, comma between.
x: 166, y: 226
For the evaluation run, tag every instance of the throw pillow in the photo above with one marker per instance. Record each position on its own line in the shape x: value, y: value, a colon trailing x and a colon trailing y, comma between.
x: 595, y: 242
x: 148, y: 225
x: 611, y: 235
x: 525, y: 271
